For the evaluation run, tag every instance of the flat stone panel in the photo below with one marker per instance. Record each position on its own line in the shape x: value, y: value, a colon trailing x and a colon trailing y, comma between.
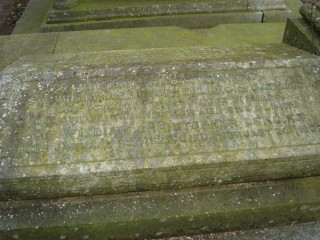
x: 157, y: 118
x: 15, y: 46
x: 164, y: 213
x: 244, y: 34
x: 160, y: 37
x: 129, y: 38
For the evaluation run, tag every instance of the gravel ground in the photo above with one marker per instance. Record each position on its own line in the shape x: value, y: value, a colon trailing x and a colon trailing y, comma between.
x: 10, y: 12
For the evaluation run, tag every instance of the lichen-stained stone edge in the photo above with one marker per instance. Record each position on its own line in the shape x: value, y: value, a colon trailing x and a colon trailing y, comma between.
x: 164, y: 213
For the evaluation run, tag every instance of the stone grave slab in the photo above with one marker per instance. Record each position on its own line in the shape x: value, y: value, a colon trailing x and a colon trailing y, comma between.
x: 182, y: 13
x: 106, y: 10
x: 119, y: 121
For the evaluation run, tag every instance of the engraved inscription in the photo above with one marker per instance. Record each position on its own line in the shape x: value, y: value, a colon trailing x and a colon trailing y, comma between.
x: 145, y: 116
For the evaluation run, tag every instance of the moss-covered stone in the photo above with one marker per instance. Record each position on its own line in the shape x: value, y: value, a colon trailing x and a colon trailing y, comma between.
x: 15, y: 46
x: 161, y: 37
x: 186, y: 13
x: 190, y: 21
x: 298, y: 33
x: 276, y: 15
x: 244, y: 34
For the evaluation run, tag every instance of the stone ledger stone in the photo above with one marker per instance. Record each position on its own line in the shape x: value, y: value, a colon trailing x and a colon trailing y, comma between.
x: 119, y: 121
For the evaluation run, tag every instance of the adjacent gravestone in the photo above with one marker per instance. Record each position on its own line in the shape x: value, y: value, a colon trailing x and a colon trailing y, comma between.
x: 304, y: 33
x: 67, y: 15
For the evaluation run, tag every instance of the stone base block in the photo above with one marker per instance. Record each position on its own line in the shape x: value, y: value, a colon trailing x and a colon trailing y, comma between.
x: 163, y: 213
x: 300, y: 34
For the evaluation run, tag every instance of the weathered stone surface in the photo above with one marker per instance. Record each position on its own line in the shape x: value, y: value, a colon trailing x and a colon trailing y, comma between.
x: 266, y: 4
x: 163, y: 213
x: 130, y: 120
x: 299, y: 34
x: 107, y: 10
